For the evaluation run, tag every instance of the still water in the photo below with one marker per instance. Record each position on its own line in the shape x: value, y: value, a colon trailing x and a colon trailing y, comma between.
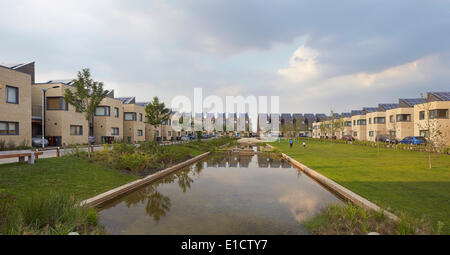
x: 224, y: 194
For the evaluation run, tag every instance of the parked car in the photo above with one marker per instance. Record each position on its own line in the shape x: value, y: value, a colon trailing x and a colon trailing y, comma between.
x: 91, y: 139
x: 415, y: 140
x: 382, y: 138
x: 348, y: 138
x: 191, y: 136
x: 37, y: 142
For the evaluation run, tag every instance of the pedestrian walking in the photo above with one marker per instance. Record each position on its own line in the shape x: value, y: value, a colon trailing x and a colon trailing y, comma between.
x: 291, y: 142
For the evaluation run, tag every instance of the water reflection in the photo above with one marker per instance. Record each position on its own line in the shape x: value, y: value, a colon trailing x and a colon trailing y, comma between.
x: 224, y: 194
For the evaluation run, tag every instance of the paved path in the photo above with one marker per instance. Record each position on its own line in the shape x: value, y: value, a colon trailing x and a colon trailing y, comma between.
x: 47, y: 154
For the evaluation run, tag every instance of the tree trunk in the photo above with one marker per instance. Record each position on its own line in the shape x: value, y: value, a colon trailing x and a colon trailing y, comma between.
x: 429, y: 159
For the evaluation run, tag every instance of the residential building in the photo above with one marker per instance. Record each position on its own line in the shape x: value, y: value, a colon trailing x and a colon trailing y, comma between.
x: 359, y: 124
x: 376, y: 121
x: 133, y: 120
x: 400, y: 119
x: 15, y: 104
x: 64, y: 125
x: 347, y: 122
x: 108, y: 120
x: 299, y: 124
x: 434, y: 115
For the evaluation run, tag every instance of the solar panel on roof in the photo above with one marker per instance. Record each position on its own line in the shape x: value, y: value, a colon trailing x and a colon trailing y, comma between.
x: 445, y: 96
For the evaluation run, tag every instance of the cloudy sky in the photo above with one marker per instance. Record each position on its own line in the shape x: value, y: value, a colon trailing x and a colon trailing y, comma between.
x: 314, y: 55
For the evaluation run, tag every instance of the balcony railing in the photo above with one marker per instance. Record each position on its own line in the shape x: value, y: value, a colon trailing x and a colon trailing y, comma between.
x: 36, y: 111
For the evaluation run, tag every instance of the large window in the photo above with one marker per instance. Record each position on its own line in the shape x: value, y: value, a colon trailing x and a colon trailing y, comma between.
x: 115, y: 131
x: 9, y: 128
x: 102, y: 111
x: 361, y: 122
x: 370, y: 120
x: 12, y: 95
x: 423, y: 133
x: 140, y: 117
x: 76, y: 130
x: 140, y: 133
x: 391, y: 118
x: 129, y: 116
x: 403, y: 117
x: 169, y: 133
x: 439, y: 114
x: 355, y: 134
x: 379, y: 120
x: 116, y: 112
x: 157, y: 133
x: 56, y: 103
x: 348, y: 123
x: 371, y: 133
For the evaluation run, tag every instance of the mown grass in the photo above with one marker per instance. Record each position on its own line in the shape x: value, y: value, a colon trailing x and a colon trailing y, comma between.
x: 398, y: 180
x: 352, y: 220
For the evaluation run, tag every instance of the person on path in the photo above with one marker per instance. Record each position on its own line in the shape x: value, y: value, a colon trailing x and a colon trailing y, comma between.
x: 291, y: 142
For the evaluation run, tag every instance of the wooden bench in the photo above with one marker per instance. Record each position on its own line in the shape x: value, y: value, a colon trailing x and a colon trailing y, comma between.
x: 22, y: 156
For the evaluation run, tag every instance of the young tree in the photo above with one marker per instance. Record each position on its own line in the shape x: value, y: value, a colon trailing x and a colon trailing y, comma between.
x: 156, y: 113
x: 87, y: 96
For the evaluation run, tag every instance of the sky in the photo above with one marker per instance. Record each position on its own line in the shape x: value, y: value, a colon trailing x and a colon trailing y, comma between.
x: 316, y: 56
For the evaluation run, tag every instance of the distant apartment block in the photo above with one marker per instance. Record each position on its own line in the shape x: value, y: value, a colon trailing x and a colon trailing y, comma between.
x: 133, y: 120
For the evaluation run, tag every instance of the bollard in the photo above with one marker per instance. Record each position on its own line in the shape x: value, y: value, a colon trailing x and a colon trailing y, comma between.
x: 31, y: 158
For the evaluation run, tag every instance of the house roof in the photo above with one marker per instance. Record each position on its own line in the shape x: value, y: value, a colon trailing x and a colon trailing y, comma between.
x: 384, y: 107
x: 309, y: 116
x: 443, y: 96
x: 144, y: 104
x: 346, y: 114
x: 127, y: 100
x: 370, y: 109
x: 410, y: 102
x: 15, y: 65
x: 297, y: 116
x: 358, y: 112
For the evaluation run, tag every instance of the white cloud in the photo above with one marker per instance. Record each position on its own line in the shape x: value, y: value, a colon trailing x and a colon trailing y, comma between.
x: 302, y: 65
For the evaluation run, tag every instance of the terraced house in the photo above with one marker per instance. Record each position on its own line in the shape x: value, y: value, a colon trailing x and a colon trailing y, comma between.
x: 400, y: 119
x: 347, y: 124
x: 376, y: 121
x: 133, y: 120
x: 63, y: 124
x: 15, y: 104
x: 434, y: 115
x: 108, y: 122
x: 359, y: 124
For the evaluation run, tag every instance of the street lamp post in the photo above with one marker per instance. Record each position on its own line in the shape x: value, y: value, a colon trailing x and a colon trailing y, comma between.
x: 43, y: 113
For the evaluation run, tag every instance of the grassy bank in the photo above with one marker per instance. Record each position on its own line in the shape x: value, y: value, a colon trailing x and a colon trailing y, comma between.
x: 353, y: 220
x: 395, y: 179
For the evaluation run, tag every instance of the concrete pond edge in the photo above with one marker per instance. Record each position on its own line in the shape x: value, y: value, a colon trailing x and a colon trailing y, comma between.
x: 116, y: 192
x: 338, y: 189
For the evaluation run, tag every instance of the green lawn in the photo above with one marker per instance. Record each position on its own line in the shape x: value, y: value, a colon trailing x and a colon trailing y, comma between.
x: 394, y: 179
x: 65, y: 175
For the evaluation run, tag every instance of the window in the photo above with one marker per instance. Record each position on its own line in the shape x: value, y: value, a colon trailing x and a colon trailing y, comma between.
x: 115, y: 131
x: 116, y: 112
x: 439, y: 114
x: 56, y: 103
x: 361, y: 122
x: 403, y: 117
x: 76, y: 130
x: 169, y: 133
x: 102, y: 111
x: 9, y: 128
x: 355, y: 134
x: 391, y: 118
x: 423, y: 133
x: 371, y: 133
x: 379, y: 120
x: 140, y: 117
x: 392, y: 134
x: 129, y: 116
x: 179, y: 133
x: 12, y: 95
x: 354, y: 123
x: 139, y: 132
x: 348, y: 123
x: 157, y: 133
x: 370, y: 120
x: 421, y: 115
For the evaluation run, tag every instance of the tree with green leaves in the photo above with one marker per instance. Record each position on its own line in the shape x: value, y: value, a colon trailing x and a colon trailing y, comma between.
x: 156, y: 113
x: 87, y: 96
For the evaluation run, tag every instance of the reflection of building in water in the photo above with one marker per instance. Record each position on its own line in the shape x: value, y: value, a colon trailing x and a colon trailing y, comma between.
x: 285, y: 164
x: 222, y: 162
x: 210, y: 162
x: 275, y: 163
x: 233, y: 160
x: 263, y: 161
x: 244, y: 161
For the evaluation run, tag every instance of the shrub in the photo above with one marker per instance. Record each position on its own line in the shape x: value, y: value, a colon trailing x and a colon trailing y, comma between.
x: 2, y: 145
x: 135, y: 162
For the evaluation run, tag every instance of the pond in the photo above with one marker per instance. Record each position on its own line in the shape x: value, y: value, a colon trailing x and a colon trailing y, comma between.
x: 226, y: 193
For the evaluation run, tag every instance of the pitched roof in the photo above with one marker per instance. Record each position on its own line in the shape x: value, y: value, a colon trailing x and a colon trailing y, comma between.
x: 443, y: 96
x: 410, y: 102
x: 358, y: 112
x: 15, y: 65
x: 127, y: 100
x: 385, y: 107
x: 346, y: 114
x: 370, y: 109
x: 144, y: 104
